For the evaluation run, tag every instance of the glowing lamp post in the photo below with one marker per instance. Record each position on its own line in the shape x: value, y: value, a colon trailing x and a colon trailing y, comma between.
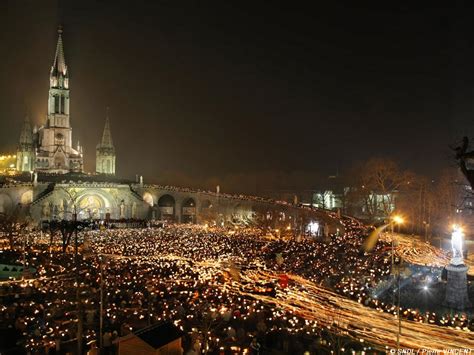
x: 395, y: 220
x: 398, y: 219
x: 456, y: 287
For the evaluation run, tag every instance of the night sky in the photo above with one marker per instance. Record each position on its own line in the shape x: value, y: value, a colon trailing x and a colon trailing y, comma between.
x: 206, y: 92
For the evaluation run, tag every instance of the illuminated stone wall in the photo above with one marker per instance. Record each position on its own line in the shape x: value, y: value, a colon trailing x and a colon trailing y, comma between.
x: 101, y: 200
x: 90, y: 201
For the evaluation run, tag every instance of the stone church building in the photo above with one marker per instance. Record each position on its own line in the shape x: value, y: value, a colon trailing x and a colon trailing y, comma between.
x: 49, y: 148
x: 50, y: 182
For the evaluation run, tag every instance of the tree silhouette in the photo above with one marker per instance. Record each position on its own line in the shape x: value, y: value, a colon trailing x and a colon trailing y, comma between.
x: 67, y: 229
x: 11, y: 224
x: 463, y: 156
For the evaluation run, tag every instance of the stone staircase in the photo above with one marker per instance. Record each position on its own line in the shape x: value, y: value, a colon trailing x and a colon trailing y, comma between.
x: 47, y: 192
x: 136, y: 194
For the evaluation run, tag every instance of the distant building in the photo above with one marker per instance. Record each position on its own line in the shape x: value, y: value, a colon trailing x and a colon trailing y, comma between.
x: 376, y: 206
x: 330, y: 194
x: 328, y: 199
x: 158, y: 339
x: 336, y: 194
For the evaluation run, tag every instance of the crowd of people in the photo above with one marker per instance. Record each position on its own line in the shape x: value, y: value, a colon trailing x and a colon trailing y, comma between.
x: 184, y: 274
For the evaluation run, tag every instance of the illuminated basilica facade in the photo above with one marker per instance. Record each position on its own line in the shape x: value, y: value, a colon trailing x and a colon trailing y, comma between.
x: 49, y: 149
x: 50, y: 183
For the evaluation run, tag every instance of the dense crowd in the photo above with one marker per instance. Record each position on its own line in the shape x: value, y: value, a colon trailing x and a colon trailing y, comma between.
x: 184, y: 274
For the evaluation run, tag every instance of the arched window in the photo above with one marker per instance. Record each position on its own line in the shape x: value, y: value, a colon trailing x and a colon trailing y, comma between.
x: 56, y: 103
x: 62, y: 104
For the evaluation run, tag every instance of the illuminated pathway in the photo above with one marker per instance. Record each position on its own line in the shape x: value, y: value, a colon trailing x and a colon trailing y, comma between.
x: 329, y: 309
x: 337, y: 313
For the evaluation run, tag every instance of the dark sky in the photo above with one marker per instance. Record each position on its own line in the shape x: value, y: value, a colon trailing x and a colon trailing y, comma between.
x: 202, y: 92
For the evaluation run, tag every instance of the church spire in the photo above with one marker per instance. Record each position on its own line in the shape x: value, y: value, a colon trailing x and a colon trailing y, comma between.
x: 25, y: 154
x: 107, y: 141
x: 105, y: 152
x: 58, y: 102
x: 26, y: 135
x: 59, y: 74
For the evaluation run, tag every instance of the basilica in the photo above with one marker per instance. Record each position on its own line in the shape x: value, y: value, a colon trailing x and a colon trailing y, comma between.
x: 49, y: 182
x: 49, y: 148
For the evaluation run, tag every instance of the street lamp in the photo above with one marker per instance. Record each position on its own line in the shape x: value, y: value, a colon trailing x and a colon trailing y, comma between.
x: 398, y: 262
x: 397, y: 219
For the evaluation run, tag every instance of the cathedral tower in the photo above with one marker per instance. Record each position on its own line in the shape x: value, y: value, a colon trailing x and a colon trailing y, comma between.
x: 55, y: 153
x: 105, y: 152
x: 25, y: 155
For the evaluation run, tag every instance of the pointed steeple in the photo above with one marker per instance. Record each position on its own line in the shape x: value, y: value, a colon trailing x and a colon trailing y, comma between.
x: 25, y: 154
x: 105, y: 152
x: 107, y: 141
x: 59, y: 73
x: 26, y: 135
